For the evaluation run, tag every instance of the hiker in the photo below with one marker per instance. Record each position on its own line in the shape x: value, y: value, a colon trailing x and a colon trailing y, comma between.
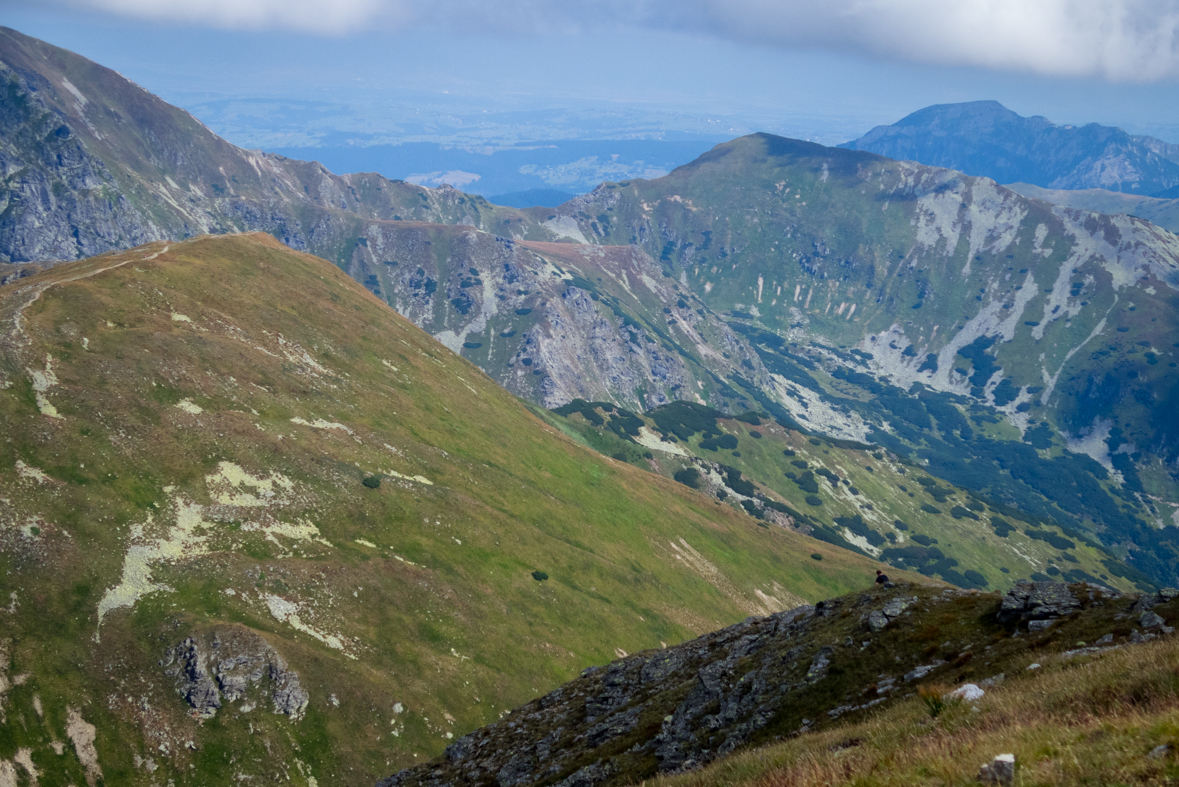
x: 881, y: 577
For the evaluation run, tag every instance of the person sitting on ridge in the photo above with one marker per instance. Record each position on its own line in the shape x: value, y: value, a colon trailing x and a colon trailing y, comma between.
x: 881, y: 577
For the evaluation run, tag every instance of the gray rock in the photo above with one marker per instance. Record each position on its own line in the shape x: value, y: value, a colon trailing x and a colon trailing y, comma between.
x: 818, y: 668
x: 894, y: 607
x: 1151, y: 620
x: 922, y: 671
x: 877, y: 621
x: 1162, y: 750
x: 1106, y: 640
x: 1000, y: 770
x: 1037, y: 601
x: 1041, y: 625
x: 241, y: 661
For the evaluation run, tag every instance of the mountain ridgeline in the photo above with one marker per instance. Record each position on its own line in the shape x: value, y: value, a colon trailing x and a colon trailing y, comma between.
x: 1021, y: 352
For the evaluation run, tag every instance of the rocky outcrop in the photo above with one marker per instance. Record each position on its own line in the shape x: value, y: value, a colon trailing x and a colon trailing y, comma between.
x: 675, y: 709
x: 230, y: 664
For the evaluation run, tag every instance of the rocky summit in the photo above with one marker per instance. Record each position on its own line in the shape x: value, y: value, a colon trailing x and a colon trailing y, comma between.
x: 787, y: 674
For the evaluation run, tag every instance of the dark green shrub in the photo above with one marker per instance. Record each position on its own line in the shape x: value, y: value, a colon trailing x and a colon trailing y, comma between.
x: 372, y: 481
x: 756, y: 435
x: 814, y: 500
x: 975, y: 578
x: 958, y: 512
x: 927, y: 508
x: 816, y: 556
x: 689, y: 477
x: 1002, y: 527
x: 923, y: 540
x: 734, y: 481
x: 539, y: 576
x: 807, y: 483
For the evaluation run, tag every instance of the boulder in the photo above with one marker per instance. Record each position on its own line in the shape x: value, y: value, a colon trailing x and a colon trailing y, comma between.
x: 1037, y: 601
x: 1000, y: 770
x: 970, y: 692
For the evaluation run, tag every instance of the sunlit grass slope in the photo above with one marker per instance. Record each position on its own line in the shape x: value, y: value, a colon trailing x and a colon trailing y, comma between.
x: 185, y: 433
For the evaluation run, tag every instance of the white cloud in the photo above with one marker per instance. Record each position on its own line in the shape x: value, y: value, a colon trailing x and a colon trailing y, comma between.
x: 455, y: 177
x: 331, y: 17
x: 1131, y: 40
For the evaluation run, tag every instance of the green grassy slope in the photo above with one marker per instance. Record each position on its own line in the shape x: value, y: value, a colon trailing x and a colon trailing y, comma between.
x: 858, y: 498
x: 186, y: 433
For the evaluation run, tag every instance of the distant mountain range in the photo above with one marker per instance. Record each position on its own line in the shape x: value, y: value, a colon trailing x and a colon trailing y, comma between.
x: 985, y: 138
x: 1158, y: 211
x: 1019, y: 351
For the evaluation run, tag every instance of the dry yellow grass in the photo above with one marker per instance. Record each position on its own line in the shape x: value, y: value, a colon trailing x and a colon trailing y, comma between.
x: 1080, y: 721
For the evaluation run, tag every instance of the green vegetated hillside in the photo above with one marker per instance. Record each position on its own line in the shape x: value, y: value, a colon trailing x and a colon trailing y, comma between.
x: 1014, y: 347
x: 1077, y: 680
x: 256, y: 525
x: 851, y: 495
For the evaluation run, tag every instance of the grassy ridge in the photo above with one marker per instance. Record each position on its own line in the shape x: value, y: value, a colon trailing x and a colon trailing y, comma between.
x: 186, y: 433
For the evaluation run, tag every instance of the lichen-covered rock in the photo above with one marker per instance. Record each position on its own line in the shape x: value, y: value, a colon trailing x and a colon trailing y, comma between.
x: 224, y: 666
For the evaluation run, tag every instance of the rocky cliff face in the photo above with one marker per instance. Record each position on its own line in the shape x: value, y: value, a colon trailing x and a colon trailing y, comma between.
x: 987, y: 139
x: 787, y: 674
x: 554, y: 322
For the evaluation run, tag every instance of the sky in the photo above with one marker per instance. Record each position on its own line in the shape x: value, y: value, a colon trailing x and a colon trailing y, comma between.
x: 284, y: 73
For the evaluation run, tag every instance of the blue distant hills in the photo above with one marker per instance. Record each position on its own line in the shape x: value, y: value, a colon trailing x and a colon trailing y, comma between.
x: 987, y: 139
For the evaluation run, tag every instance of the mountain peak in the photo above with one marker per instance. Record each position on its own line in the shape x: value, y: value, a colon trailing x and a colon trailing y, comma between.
x: 986, y: 138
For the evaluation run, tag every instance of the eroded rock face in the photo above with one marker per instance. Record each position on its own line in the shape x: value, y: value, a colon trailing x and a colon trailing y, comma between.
x: 232, y: 664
